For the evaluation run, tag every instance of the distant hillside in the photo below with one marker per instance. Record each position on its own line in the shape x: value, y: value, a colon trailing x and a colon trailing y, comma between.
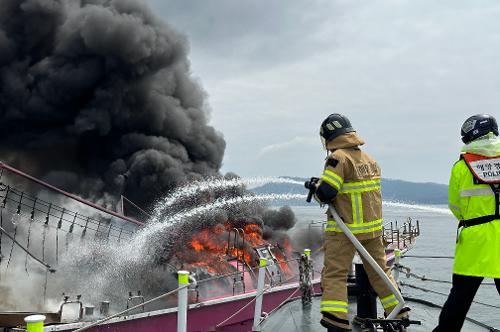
x: 394, y: 190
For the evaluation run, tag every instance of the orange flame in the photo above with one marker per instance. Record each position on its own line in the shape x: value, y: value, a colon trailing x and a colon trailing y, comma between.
x: 210, y: 249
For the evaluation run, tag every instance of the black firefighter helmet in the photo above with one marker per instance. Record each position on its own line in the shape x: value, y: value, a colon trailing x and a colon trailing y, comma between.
x: 333, y: 126
x: 478, y: 125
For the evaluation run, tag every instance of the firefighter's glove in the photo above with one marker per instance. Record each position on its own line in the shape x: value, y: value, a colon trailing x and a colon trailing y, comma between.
x: 312, y: 186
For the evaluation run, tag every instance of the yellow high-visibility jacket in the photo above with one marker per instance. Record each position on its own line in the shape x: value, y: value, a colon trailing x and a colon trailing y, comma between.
x: 478, y: 247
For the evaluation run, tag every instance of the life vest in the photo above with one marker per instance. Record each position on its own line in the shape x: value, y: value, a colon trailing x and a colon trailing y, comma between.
x: 485, y: 170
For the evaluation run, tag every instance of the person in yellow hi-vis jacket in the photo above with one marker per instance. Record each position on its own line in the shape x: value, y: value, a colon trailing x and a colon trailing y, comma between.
x: 473, y: 196
x: 351, y: 181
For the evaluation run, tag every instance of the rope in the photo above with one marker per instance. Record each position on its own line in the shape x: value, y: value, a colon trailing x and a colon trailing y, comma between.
x: 251, y: 301
x: 175, y: 290
x: 12, y: 246
x: 1, y: 234
x: 433, y: 305
x: 280, y: 305
x: 136, y: 206
x: 439, y: 293
x: 425, y: 256
x: 407, y: 270
x: 85, y: 328
x: 240, y: 310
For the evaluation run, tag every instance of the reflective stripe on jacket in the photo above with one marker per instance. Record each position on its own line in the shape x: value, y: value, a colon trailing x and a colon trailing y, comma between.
x: 356, y: 177
x: 478, y: 247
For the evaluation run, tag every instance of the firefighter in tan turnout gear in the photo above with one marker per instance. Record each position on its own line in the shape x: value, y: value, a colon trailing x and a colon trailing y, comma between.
x: 351, y: 181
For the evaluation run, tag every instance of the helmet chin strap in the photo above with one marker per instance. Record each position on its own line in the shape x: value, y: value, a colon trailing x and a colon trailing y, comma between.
x: 323, y: 142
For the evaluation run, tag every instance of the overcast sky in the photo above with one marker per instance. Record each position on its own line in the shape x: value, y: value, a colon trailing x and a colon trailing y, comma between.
x: 407, y: 74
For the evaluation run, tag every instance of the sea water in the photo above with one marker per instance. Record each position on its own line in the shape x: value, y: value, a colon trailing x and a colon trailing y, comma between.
x: 437, y: 238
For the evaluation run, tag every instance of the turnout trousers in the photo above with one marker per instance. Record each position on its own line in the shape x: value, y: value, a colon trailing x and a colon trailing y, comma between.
x: 339, y: 253
x: 458, y: 303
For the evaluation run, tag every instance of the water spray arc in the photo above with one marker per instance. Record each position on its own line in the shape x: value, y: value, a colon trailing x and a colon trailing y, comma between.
x: 160, y: 226
x: 195, y: 188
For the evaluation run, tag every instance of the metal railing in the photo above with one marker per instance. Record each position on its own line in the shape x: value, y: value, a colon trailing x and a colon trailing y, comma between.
x: 401, y: 235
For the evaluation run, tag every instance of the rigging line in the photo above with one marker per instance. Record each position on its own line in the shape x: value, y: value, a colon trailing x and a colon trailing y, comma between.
x: 28, y: 245
x: 280, y: 305
x: 427, y: 256
x: 239, y: 310
x: 85, y: 328
x: 26, y: 250
x: 44, y: 236
x: 12, y: 246
x: 62, y: 224
x: 57, y: 246
x: 54, y: 207
x: 440, y: 293
x: 250, y: 302
x: 406, y: 270
x: 1, y: 234
x: 69, y: 195
x: 434, y: 305
x: 136, y: 206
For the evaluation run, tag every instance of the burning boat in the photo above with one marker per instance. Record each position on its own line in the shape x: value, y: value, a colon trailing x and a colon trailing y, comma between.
x: 223, y: 260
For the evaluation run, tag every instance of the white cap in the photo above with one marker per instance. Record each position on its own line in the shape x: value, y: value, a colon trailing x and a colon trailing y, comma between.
x: 34, y: 319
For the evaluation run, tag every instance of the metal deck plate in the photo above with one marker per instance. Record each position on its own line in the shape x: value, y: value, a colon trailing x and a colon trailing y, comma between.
x: 292, y: 317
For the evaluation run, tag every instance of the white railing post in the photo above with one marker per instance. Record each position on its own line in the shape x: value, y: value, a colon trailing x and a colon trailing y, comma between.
x: 182, y: 296
x: 34, y: 323
x: 259, y: 295
x: 397, y: 257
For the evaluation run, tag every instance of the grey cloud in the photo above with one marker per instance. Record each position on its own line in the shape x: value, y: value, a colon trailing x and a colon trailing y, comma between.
x: 258, y: 34
x: 407, y: 73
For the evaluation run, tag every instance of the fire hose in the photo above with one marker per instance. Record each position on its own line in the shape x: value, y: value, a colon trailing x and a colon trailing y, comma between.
x: 311, y: 185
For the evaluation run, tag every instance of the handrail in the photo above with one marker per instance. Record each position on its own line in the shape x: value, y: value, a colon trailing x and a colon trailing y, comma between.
x: 50, y: 211
x: 265, y: 290
x: 85, y: 328
x: 69, y: 195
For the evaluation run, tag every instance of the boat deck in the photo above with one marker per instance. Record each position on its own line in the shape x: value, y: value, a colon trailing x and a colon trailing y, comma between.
x: 293, y: 317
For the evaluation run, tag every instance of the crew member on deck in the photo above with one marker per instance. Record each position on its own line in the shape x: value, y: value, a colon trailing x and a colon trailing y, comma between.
x: 351, y: 181
x: 474, y: 200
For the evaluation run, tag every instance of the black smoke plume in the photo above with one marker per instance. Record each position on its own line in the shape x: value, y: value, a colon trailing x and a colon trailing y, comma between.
x: 282, y: 219
x: 96, y: 96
